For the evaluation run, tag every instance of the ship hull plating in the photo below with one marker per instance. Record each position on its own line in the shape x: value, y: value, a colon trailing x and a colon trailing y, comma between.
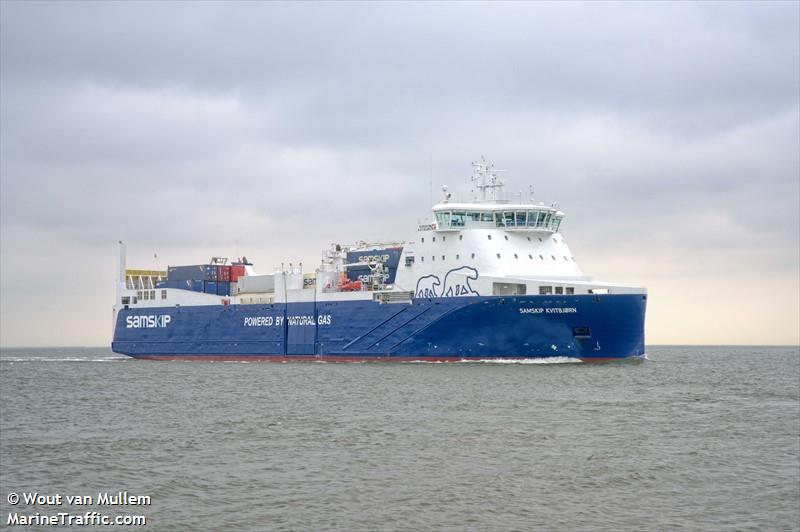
x: 586, y: 327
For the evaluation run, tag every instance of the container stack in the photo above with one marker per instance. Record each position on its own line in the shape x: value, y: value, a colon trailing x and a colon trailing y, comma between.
x: 207, y: 278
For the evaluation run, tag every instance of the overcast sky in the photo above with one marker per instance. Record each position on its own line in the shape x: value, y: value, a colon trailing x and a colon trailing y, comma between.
x: 669, y: 133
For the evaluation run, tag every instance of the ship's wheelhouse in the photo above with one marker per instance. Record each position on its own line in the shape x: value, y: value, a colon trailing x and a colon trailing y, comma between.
x: 454, y: 217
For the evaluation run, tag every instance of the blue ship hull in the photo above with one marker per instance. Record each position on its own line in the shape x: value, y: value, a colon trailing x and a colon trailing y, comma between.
x: 586, y: 327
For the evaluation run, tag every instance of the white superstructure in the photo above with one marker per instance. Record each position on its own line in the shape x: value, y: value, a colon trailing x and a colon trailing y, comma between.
x: 494, y: 247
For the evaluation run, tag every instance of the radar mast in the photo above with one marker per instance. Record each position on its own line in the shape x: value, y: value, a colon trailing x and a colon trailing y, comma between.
x: 484, y: 175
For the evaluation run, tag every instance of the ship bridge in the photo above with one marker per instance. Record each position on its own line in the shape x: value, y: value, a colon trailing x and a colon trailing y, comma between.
x: 512, y: 217
x: 490, y: 211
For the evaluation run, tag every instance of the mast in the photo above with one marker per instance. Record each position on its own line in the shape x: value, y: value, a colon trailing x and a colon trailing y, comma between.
x: 487, y: 182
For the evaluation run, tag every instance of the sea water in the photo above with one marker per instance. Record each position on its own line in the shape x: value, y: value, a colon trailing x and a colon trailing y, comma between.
x: 695, y: 438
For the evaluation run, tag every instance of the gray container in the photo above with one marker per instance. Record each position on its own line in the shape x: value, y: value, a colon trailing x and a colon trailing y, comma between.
x: 251, y: 284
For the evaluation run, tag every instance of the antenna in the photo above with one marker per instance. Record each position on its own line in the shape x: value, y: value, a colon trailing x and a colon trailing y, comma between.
x: 485, y: 175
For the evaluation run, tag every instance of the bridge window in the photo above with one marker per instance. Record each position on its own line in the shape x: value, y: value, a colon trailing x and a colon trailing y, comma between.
x: 126, y: 300
x: 545, y: 290
x: 443, y: 218
x: 559, y: 289
x: 163, y: 294
x: 459, y: 218
x: 570, y: 290
x: 521, y: 218
x: 486, y: 217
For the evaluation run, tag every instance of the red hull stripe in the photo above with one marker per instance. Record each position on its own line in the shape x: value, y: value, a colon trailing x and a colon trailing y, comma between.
x: 333, y: 358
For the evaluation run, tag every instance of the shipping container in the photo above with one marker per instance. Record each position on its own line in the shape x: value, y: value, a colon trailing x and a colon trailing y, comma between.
x: 223, y: 273
x: 196, y: 286
x: 237, y: 270
x: 256, y: 283
x: 196, y: 272
x: 223, y: 288
x: 210, y: 287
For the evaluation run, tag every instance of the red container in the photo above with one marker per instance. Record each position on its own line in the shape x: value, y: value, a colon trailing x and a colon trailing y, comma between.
x: 223, y: 273
x: 237, y: 270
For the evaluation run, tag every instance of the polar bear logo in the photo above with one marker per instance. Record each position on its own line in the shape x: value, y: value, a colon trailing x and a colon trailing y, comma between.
x: 426, y: 286
x: 456, y: 282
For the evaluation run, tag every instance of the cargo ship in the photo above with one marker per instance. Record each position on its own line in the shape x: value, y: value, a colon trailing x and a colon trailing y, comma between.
x: 483, y: 280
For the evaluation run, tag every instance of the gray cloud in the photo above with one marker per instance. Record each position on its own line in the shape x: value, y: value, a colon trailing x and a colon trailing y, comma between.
x: 668, y: 131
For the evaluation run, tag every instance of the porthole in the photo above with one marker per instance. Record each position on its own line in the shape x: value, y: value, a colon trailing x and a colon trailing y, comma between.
x: 540, y: 239
x: 516, y: 256
x: 530, y: 257
x: 472, y: 256
x: 554, y: 257
x: 529, y: 239
x: 422, y: 259
x: 566, y: 259
x: 444, y: 258
x: 541, y: 257
x: 433, y: 258
x: 461, y: 237
x: 457, y: 256
x: 498, y: 255
x: 444, y: 238
x: 489, y: 237
x: 506, y: 237
x: 423, y: 239
x: 434, y: 239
